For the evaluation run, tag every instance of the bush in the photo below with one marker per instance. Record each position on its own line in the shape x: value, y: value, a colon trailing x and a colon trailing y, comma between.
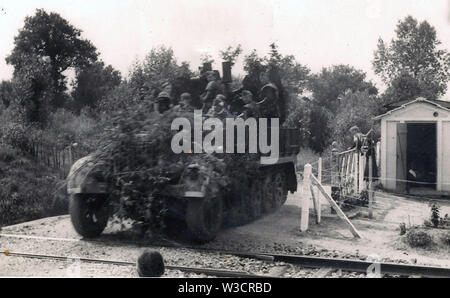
x: 402, y: 229
x: 355, y: 109
x: 427, y: 223
x: 416, y: 238
x: 446, y: 238
x: 435, y: 217
x: 27, y: 190
x: 17, y: 136
x: 66, y: 128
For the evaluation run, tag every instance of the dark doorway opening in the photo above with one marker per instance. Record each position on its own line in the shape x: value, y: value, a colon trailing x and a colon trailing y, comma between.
x: 421, y: 155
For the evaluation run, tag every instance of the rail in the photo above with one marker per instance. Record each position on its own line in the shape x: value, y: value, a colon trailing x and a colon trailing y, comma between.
x: 351, y: 265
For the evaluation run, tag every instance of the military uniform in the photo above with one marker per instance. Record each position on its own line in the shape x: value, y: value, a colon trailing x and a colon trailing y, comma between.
x: 250, y: 110
x: 163, y: 102
x: 213, y: 89
x: 269, y: 106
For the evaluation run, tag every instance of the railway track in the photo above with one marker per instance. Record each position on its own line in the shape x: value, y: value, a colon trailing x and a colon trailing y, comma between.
x: 196, y: 270
x: 348, y: 265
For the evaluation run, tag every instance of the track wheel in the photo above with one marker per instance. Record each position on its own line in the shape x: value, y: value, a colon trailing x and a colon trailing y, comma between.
x: 280, y: 190
x: 268, y: 205
x: 204, y: 218
x: 256, y: 198
x: 89, y: 214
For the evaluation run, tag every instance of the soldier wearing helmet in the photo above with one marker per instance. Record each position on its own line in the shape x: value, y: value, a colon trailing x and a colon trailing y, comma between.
x: 250, y: 109
x: 186, y: 103
x: 272, y: 104
x: 218, y: 109
x: 214, y: 88
x: 162, y: 102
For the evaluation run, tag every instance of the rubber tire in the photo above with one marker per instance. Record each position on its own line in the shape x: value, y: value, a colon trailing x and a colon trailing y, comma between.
x: 80, y: 213
x: 196, y: 211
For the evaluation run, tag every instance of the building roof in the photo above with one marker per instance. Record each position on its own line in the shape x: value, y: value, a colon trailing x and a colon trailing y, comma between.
x: 445, y: 105
x: 397, y: 104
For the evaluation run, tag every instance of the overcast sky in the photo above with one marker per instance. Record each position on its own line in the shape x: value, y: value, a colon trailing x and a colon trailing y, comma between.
x: 318, y: 32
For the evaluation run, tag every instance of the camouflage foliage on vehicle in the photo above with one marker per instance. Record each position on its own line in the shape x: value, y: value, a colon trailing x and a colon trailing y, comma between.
x: 139, y: 162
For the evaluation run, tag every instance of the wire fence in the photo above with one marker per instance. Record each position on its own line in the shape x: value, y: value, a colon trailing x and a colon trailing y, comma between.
x: 348, y: 172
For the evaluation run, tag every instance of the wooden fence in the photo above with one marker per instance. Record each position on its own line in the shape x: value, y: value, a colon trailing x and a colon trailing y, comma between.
x: 57, y: 157
x: 349, y: 173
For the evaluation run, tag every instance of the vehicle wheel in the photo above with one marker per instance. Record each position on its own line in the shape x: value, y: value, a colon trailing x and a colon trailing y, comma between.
x: 204, y: 218
x: 256, y: 198
x: 89, y: 214
x: 280, y: 190
x: 268, y: 205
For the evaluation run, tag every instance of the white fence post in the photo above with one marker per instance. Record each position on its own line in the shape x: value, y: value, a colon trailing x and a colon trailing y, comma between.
x: 319, y: 171
x: 370, y: 189
x: 318, y: 195
x: 356, y: 172
x: 306, y: 197
x: 362, y: 167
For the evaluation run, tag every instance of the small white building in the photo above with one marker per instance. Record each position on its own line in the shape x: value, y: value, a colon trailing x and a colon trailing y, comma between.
x: 415, y: 147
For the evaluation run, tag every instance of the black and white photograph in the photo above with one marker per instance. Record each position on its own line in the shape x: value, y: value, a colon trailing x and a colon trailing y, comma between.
x: 222, y: 145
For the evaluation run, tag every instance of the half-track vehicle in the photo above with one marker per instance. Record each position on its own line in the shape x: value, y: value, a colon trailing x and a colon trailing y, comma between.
x: 191, y: 198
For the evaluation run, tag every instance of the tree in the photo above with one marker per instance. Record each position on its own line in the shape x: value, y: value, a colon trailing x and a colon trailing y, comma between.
x: 32, y: 91
x: 93, y: 83
x: 206, y: 58
x: 331, y: 83
x: 405, y: 87
x: 289, y: 75
x: 6, y: 92
x: 158, y: 69
x: 413, y: 59
x: 293, y: 75
x: 318, y: 125
x: 253, y: 63
x: 51, y: 38
x: 356, y: 108
x: 231, y: 54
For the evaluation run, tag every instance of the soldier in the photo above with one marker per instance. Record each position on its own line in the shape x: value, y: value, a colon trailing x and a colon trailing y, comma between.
x: 370, y: 145
x: 271, y: 104
x: 251, y: 82
x: 162, y: 102
x: 186, y: 100
x: 218, y: 109
x: 186, y: 103
x: 357, y: 138
x: 214, y: 88
x: 250, y: 109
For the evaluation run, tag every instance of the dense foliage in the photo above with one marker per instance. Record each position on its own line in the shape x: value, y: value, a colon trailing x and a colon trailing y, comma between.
x: 27, y: 190
x: 418, y: 238
x: 337, y: 96
x: 50, y: 38
x: 412, y: 64
x: 92, y: 84
x: 136, y: 150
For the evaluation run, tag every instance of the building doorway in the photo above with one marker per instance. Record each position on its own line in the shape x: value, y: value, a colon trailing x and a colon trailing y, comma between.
x: 421, y: 156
